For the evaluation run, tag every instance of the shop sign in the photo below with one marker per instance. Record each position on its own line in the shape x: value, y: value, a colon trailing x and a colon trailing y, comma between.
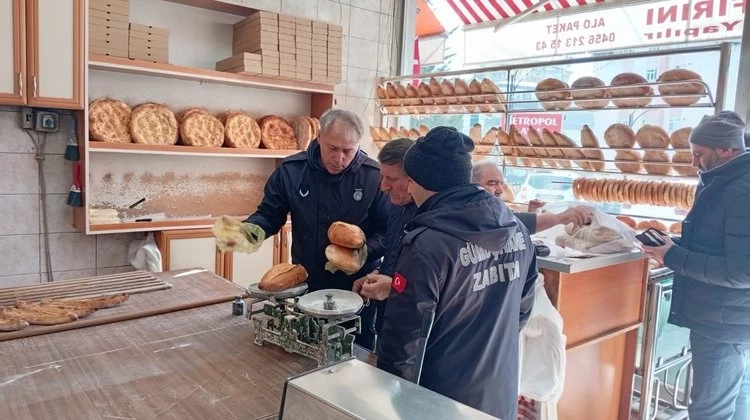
x: 646, y: 24
x: 524, y: 120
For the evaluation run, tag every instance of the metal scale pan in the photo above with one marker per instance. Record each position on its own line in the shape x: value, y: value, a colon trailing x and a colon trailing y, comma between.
x: 291, y: 292
x: 330, y: 303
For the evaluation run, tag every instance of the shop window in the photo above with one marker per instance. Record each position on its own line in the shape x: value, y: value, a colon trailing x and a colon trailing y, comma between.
x: 651, y: 75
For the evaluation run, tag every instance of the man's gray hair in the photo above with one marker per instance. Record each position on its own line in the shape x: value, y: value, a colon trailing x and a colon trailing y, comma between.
x: 350, y: 121
x: 476, y: 171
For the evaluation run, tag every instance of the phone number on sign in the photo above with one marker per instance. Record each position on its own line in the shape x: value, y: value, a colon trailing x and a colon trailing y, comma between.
x: 575, y: 41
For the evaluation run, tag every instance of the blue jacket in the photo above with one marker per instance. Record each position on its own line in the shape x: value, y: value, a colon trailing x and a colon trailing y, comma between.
x: 467, y: 257
x: 302, y: 186
x: 711, y: 293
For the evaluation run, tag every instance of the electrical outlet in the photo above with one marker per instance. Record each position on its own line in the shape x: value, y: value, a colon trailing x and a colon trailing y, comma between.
x: 26, y: 118
x: 47, y: 121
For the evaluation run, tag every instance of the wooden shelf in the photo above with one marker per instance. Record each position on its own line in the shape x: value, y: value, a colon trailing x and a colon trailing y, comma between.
x: 170, y: 71
x: 217, y: 6
x: 150, y: 149
x: 151, y: 226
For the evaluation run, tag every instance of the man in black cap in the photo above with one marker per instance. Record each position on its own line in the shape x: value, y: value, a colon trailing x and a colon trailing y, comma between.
x: 711, y: 264
x: 468, y: 259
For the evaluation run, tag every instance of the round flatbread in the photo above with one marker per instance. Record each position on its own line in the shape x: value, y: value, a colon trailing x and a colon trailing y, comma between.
x: 586, y: 96
x: 619, y: 136
x: 680, y: 75
x: 277, y: 134
x: 553, y: 100
x: 152, y: 123
x: 200, y: 129
x: 684, y: 158
x: 680, y: 139
x: 305, y: 132
x: 656, y: 156
x: 628, y: 161
x: 241, y: 131
x: 652, y: 136
x: 109, y: 121
x: 620, y: 87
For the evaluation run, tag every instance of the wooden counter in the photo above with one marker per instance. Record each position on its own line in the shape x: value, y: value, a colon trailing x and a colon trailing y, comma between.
x: 197, y: 363
x: 602, y: 309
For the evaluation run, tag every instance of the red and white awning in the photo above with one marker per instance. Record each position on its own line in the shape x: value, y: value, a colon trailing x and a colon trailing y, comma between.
x: 478, y: 11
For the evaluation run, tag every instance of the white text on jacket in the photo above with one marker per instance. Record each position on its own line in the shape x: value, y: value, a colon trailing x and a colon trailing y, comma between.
x: 473, y: 254
x: 497, y: 273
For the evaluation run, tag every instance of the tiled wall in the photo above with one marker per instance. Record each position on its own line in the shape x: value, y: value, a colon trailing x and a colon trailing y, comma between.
x: 368, y: 34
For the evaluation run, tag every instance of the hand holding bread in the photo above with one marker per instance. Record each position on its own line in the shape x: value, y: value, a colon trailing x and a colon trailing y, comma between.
x: 233, y: 235
x: 348, y: 250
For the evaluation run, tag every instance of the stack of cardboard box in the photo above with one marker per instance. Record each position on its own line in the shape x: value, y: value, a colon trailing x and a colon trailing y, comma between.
x: 259, y: 34
x: 148, y: 43
x: 108, y: 30
x: 246, y: 63
x: 303, y: 40
x: 320, y: 52
x: 335, y: 36
x: 287, y: 47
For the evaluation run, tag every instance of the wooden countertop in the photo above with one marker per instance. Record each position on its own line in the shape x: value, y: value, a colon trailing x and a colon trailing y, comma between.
x: 195, y: 363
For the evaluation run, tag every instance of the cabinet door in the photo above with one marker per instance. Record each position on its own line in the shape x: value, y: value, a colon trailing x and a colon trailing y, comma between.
x: 12, y: 52
x: 286, y: 243
x: 55, y: 44
x: 181, y: 249
x: 246, y: 269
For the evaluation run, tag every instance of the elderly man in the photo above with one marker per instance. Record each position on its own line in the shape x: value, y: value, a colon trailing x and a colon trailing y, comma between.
x: 488, y: 176
x: 468, y: 259
x: 711, y: 264
x: 333, y: 180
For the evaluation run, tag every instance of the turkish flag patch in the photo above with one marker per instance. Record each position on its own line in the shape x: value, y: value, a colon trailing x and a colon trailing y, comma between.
x: 399, y: 283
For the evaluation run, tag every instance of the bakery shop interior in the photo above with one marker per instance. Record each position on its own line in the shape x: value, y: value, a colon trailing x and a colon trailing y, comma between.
x: 375, y: 209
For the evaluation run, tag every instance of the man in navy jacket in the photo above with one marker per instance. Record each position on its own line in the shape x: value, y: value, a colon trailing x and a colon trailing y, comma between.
x: 711, y: 264
x: 466, y: 257
x: 333, y: 180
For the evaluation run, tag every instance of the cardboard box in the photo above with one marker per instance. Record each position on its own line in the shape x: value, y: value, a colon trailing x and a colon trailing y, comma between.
x: 149, y: 43
x: 261, y: 18
x: 254, y: 27
x: 256, y: 48
x: 286, y: 24
x: 319, y: 49
x: 335, y: 29
x: 270, y: 72
x: 303, y: 43
x: 151, y: 30
x: 239, y: 60
x: 258, y: 38
x: 245, y: 70
x: 287, y: 18
x: 108, y: 16
x: 108, y: 51
x: 99, y: 23
x: 96, y: 31
x: 287, y: 31
x: 108, y: 45
x: 286, y: 37
x: 303, y: 22
x: 156, y: 58
x: 287, y: 57
x: 121, y: 7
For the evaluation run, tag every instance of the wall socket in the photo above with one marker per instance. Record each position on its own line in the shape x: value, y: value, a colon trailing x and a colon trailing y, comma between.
x: 26, y: 118
x: 47, y: 121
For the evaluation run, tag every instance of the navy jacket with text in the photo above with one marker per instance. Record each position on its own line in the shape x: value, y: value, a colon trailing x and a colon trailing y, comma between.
x: 467, y: 256
x: 315, y: 198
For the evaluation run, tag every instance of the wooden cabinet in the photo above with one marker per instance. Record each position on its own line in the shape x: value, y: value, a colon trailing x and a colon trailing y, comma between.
x: 189, y: 248
x: 12, y: 52
x: 42, y: 53
x: 285, y: 250
x: 245, y: 269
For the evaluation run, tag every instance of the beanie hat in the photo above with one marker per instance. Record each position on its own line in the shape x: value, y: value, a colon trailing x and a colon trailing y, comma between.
x: 725, y: 130
x: 440, y: 160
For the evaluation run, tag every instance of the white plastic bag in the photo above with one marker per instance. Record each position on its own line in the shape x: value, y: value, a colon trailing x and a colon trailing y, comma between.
x: 542, y: 361
x: 144, y: 254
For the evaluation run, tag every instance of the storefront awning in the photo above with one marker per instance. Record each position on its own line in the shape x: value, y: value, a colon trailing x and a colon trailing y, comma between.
x: 472, y: 12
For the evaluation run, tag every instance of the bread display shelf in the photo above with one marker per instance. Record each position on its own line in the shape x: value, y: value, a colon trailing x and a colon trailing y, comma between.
x: 636, y: 216
x: 170, y: 71
x: 604, y: 172
x: 465, y: 105
x: 148, y: 149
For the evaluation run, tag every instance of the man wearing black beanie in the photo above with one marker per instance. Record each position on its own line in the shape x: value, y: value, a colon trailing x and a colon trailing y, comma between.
x: 468, y: 259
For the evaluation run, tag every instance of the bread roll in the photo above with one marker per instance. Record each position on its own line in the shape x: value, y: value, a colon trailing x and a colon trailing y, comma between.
x: 677, y: 75
x: 436, y: 91
x: 646, y: 224
x: 549, y: 140
x: 656, y: 156
x: 628, y: 161
x: 561, y: 99
x: 627, y: 220
x: 535, y: 137
x: 590, y: 82
x: 346, y: 235
x: 643, y: 92
x: 509, y: 153
x: 346, y: 259
x: 652, y: 136
x: 565, y: 141
x: 425, y: 95
x: 680, y: 139
x: 619, y: 135
x: 588, y: 139
x: 684, y: 157
x: 282, y: 276
x: 675, y: 228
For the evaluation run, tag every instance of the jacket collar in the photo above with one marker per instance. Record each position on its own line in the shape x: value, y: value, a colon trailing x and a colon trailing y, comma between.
x: 736, y: 167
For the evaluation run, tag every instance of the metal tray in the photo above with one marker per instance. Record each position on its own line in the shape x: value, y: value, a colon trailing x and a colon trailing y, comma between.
x: 291, y: 292
x: 347, y: 303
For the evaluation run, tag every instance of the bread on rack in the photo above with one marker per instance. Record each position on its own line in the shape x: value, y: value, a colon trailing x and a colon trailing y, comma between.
x: 589, y: 140
x: 586, y: 97
x: 570, y: 153
x: 393, y: 133
x: 152, y: 123
x: 548, y: 138
x: 475, y: 133
x: 487, y: 142
x: 518, y: 139
x: 668, y: 87
x: 384, y: 134
x: 620, y: 87
x: 277, y: 134
x: 509, y: 152
x: 662, y: 168
x: 627, y: 220
x: 403, y: 132
x: 382, y: 95
x: 684, y: 157
x: 628, y: 161
x: 401, y: 94
x: 535, y: 137
x: 413, y: 102
x: 304, y: 131
x: 619, y: 136
x: 553, y: 100
x: 390, y: 90
x: 448, y: 91
x: 462, y: 91
x: 493, y: 95
x: 423, y: 130
x: 199, y: 128
x: 241, y: 131
x: 652, y: 137
x: 647, y: 224
x: 374, y: 134
x: 109, y: 121
x: 425, y: 95
x: 475, y: 89
x: 413, y: 134
x: 675, y: 228
x: 680, y: 139
x: 437, y: 92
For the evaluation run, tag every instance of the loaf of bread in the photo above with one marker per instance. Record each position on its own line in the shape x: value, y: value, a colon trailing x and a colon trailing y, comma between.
x: 620, y: 88
x: 669, y: 77
x: 12, y: 324
x: 629, y: 221
x: 646, y: 224
x: 553, y: 100
x: 282, y: 276
x: 675, y: 228
x: 346, y: 235
x: 584, y: 98
x: 346, y: 259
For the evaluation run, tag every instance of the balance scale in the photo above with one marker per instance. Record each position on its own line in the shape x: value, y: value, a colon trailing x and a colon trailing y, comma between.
x: 319, y: 325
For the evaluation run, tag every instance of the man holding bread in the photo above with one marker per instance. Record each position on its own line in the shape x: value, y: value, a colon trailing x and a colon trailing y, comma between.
x: 468, y: 259
x: 332, y: 181
x: 711, y: 264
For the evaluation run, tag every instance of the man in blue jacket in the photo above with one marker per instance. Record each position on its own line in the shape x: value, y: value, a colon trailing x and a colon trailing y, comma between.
x: 466, y: 257
x: 711, y: 264
x: 333, y: 180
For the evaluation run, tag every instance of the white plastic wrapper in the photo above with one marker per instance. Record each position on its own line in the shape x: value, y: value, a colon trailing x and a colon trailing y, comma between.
x: 144, y: 254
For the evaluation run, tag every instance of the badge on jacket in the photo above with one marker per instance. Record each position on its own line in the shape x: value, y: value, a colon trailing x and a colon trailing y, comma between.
x: 399, y: 283
x: 358, y: 194
x: 304, y: 190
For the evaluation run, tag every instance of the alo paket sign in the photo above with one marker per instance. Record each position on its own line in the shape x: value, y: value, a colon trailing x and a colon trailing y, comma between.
x: 550, y: 121
x: 646, y: 24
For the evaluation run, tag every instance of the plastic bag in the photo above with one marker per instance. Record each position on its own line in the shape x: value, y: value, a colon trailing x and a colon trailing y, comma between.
x: 587, y: 238
x: 144, y: 254
x: 542, y: 345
